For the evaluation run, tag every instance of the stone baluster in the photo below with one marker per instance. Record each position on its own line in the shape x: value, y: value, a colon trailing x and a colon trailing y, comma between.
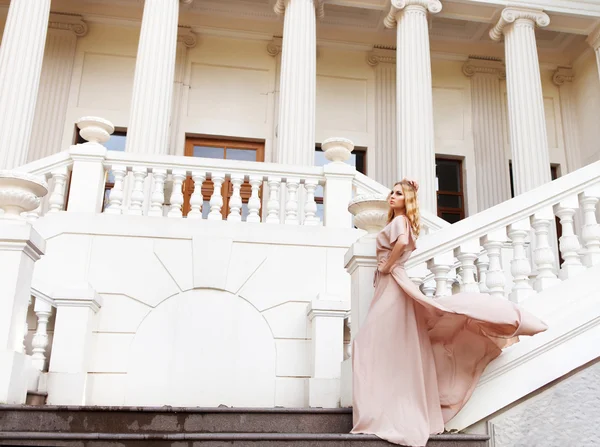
x: 591, y: 229
x: 520, y: 265
x: 428, y: 288
x: 43, y: 311
x: 310, y: 209
x: 235, y: 202
x: 543, y: 255
x: 482, y: 263
x: 177, y: 194
x: 273, y: 204
x: 569, y: 242
x: 56, y: 201
x: 26, y: 327
x: 137, y: 195
x: 216, y: 200
x: 115, y: 198
x: 196, y: 200
x: 291, y: 206
x: 467, y: 254
x: 254, y: 201
x: 158, y: 194
x: 440, y: 266
x: 495, y: 279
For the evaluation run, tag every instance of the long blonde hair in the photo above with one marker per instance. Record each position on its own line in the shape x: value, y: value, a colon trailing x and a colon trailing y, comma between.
x: 411, y: 204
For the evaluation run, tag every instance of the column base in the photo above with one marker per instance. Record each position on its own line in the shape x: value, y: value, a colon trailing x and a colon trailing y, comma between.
x: 13, y: 377
x: 346, y: 384
x: 323, y: 393
x: 67, y: 388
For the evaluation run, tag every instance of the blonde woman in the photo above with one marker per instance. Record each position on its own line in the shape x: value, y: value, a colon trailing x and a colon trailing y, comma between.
x: 416, y: 360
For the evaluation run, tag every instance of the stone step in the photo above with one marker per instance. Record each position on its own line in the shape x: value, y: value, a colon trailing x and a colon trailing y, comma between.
x: 132, y: 420
x: 48, y: 439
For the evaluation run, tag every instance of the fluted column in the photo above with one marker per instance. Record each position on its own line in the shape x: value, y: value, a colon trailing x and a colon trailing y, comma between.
x: 151, y: 102
x: 21, y: 56
x: 297, y: 97
x: 186, y: 39
x: 563, y: 78
x: 594, y: 41
x: 53, y: 95
x: 493, y: 178
x: 527, y: 122
x: 414, y: 104
x: 385, y: 158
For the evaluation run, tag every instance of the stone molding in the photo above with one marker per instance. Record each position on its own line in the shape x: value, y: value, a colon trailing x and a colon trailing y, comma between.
x: 594, y: 39
x: 186, y: 36
x: 511, y: 15
x: 68, y: 22
x: 382, y: 56
x: 475, y: 66
x: 433, y: 6
x: 562, y: 75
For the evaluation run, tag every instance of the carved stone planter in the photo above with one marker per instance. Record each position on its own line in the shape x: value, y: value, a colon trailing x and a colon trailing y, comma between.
x: 370, y: 212
x: 94, y: 129
x: 20, y: 192
x: 337, y: 149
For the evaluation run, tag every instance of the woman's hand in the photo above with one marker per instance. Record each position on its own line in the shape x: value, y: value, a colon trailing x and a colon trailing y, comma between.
x: 382, y: 267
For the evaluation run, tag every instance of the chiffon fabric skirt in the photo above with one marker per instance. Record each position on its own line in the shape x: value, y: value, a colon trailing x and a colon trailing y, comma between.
x: 417, y: 360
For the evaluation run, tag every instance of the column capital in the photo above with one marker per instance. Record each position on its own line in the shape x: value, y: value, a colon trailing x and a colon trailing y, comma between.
x: 510, y: 15
x: 274, y: 46
x: 433, y: 6
x: 594, y: 39
x: 280, y: 6
x: 381, y: 55
x: 186, y: 36
x: 68, y: 22
x: 562, y: 75
x: 475, y: 66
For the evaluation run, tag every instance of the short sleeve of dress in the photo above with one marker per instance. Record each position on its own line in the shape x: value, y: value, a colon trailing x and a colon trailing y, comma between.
x: 398, y: 230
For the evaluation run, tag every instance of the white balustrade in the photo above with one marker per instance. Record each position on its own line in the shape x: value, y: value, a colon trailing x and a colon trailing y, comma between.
x: 39, y: 343
x: 235, y: 203
x: 520, y: 265
x: 543, y: 256
x: 254, y: 201
x: 158, y: 192
x: 440, y: 266
x: 274, y: 200
x: 137, y: 195
x: 591, y: 229
x: 482, y: 263
x: 56, y: 201
x: 116, y: 195
x: 310, y: 208
x: 291, y: 205
x: 569, y: 242
x: 467, y: 254
x: 196, y: 200
x: 216, y: 200
x: 177, y: 194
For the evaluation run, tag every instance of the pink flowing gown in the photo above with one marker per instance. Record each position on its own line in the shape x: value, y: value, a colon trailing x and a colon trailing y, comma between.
x: 416, y: 360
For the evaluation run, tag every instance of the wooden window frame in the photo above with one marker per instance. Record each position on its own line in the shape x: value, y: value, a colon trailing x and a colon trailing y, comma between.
x: 461, y: 194
x: 227, y: 187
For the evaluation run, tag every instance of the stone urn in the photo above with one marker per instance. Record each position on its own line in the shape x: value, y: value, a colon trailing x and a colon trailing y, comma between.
x: 95, y: 130
x: 370, y: 212
x: 337, y: 150
x: 20, y: 192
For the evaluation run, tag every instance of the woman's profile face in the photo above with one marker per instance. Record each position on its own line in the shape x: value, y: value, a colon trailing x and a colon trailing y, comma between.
x: 396, y: 198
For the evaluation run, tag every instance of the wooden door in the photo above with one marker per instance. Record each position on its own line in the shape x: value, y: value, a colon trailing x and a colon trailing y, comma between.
x: 222, y: 150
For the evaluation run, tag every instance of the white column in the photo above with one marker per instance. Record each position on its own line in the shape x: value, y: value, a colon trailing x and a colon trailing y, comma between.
x: 186, y: 39
x: 149, y: 120
x: 563, y: 78
x: 71, y: 344
x: 414, y: 104
x: 594, y: 41
x: 297, y: 97
x: 53, y: 95
x: 385, y: 158
x: 527, y: 122
x: 21, y: 56
x: 493, y: 178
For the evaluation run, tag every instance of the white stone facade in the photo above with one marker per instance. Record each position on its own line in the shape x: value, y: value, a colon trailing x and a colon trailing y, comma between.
x: 252, y: 299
